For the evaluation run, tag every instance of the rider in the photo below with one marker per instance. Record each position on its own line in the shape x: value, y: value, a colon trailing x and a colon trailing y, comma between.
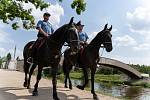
x: 45, y: 29
x: 83, y: 37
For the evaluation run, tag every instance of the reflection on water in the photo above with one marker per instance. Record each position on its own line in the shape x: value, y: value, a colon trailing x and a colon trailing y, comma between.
x: 130, y: 92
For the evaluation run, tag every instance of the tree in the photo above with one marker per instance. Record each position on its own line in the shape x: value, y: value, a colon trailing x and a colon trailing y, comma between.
x: 2, y: 59
x: 1, y: 62
x: 17, y: 58
x: 11, y: 9
x: 8, y: 58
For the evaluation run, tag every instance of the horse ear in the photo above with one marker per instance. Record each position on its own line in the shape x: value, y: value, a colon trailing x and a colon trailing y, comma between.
x: 110, y: 28
x: 71, y: 20
x: 105, y: 27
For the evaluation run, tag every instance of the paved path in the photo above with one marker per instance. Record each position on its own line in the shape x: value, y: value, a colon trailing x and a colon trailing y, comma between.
x: 11, y: 88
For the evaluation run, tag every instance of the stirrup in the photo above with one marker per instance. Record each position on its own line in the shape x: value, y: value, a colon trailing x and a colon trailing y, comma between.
x: 30, y: 60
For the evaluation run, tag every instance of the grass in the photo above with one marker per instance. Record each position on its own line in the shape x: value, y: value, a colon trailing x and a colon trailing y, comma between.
x: 98, y: 77
x: 141, y: 83
x: 113, y: 79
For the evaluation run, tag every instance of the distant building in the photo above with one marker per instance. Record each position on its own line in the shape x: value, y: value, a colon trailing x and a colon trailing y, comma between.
x: 12, y: 65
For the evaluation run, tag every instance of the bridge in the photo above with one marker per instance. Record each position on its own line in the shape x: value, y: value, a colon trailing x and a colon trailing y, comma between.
x: 128, y: 70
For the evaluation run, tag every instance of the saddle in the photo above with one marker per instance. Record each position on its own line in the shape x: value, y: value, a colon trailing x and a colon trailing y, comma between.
x: 35, y: 47
x: 38, y: 43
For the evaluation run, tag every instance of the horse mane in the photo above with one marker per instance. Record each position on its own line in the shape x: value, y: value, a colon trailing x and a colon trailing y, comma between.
x: 96, y: 41
x: 62, y: 28
x: 59, y: 31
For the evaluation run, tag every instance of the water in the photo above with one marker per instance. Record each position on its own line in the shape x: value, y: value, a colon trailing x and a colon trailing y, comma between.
x: 130, y: 92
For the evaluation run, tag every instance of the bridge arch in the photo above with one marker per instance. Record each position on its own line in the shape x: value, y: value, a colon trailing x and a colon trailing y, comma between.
x: 131, y: 72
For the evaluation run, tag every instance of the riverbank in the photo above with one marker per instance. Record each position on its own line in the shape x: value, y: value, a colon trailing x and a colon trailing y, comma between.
x: 113, y: 79
x: 115, y: 85
x: 98, y: 78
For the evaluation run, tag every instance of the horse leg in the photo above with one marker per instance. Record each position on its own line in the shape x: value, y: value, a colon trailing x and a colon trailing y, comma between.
x: 65, y: 80
x: 26, y: 69
x: 33, y: 66
x: 70, y: 83
x: 54, y: 82
x: 65, y: 73
x: 67, y: 77
x: 86, y: 80
x: 35, y: 92
x: 93, y: 70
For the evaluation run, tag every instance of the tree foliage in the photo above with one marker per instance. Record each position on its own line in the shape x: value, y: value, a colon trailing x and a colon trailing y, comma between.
x: 141, y: 68
x: 79, y: 5
x: 11, y: 9
x: 8, y: 57
x: 1, y: 62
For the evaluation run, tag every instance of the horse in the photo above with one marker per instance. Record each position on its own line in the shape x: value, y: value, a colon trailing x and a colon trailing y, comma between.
x: 88, y: 57
x: 49, y: 54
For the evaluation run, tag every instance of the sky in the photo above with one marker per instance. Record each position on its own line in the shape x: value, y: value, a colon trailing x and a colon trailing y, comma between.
x: 130, y: 20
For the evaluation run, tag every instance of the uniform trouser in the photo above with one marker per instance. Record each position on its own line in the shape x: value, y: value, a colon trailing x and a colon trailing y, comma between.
x: 36, y: 46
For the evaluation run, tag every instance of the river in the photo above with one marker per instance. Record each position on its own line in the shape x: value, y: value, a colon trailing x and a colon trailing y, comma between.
x: 130, y: 92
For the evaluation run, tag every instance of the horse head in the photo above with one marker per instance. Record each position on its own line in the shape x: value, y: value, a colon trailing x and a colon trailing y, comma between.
x: 72, y: 35
x: 107, y: 38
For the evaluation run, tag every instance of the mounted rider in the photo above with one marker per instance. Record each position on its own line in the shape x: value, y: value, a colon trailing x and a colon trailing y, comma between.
x: 83, y: 37
x: 45, y: 29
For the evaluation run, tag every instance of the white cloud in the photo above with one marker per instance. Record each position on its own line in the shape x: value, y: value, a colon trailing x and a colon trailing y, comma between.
x: 144, y: 46
x: 144, y: 3
x: 125, y: 40
x: 92, y: 35
x: 2, y: 25
x: 2, y: 52
x: 132, y: 60
x: 139, y: 24
x: 4, y: 38
x: 114, y: 30
x: 139, y: 19
x: 55, y: 10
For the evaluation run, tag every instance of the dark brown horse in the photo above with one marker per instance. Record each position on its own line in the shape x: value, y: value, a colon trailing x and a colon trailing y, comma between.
x: 49, y: 55
x: 87, y: 58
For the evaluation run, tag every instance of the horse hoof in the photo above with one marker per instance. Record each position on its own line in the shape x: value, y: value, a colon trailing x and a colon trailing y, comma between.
x: 35, y: 93
x: 66, y: 86
x: 80, y: 87
x: 56, y: 98
x: 28, y: 87
x: 95, y: 97
x: 25, y: 84
x: 70, y: 87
